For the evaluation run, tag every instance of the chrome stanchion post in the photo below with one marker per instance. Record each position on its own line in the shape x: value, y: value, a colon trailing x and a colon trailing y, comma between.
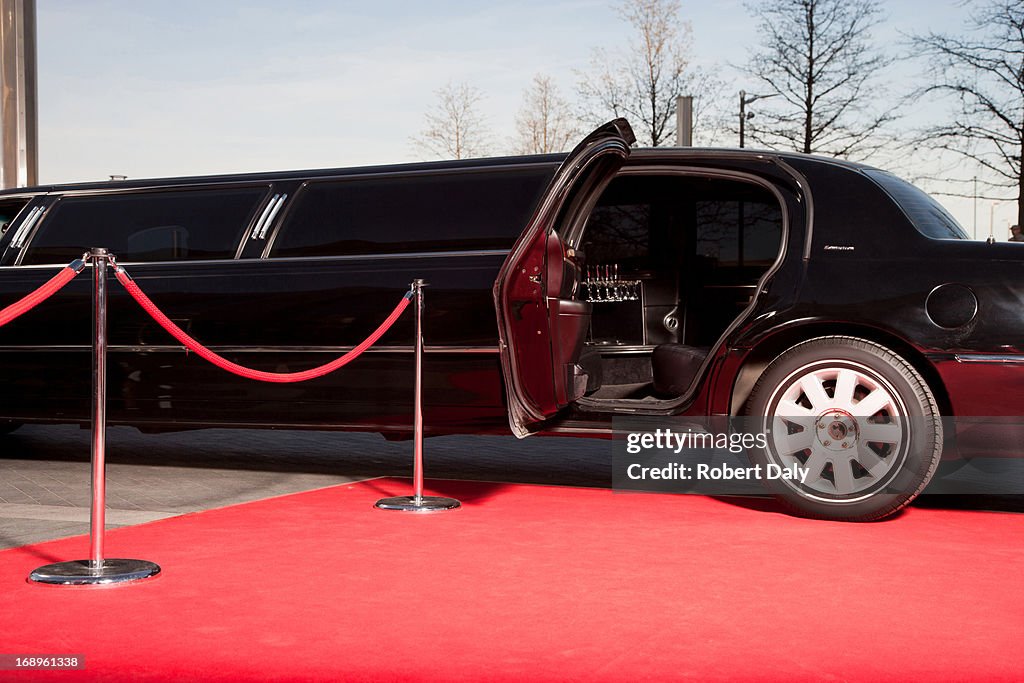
x: 98, y: 518
x: 418, y: 502
x: 417, y: 405
x: 97, y: 569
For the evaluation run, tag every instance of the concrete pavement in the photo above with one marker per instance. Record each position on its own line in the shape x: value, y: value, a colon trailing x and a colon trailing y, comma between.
x: 45, y: 472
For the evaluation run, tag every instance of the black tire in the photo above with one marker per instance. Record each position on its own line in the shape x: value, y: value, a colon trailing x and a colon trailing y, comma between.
x: 8, y: 426
x: 860, y: 467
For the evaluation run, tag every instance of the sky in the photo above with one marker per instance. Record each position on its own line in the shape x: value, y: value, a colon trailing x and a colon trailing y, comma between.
x: 150, y: 88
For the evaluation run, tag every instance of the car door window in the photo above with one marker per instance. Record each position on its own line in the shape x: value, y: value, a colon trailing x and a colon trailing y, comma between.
x: 739, y: 228
x: 455, y: 211
x: 9, y: 210
x: 170, y: 225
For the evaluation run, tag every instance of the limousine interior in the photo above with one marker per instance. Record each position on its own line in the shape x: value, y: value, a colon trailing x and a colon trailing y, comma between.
x: 668, y: 262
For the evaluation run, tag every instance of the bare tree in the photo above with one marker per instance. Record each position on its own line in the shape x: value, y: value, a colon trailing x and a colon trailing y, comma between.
x: 545, y: 122
x: 981, y: 75
x: 455, y: 128
x: 643, y: 84
x: 818, y: 64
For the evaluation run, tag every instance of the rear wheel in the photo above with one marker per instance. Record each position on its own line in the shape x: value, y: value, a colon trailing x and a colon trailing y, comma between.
x: 856, y: 421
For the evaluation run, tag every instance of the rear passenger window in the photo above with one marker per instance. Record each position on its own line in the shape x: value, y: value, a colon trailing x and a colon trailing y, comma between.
x: 739, y: 231
x: 458, y: 211
x: 9, y: 210
x: 147, y: 226
x: 928, y: 216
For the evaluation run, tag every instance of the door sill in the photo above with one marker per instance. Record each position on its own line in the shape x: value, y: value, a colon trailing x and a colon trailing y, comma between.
x: 626, y: 406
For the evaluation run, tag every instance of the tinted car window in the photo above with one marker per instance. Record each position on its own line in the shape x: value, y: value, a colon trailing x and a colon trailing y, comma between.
x: 458, y: 211
x: 637, y: 218
x: 632, y: 224
x: 927, y: 215
x: 618, y: 232
x: 722, y: 223
x: 147, y: 226
x: 9, y: 209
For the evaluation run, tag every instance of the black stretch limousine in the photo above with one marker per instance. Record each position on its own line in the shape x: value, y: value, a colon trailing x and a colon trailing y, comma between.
x: 563, y: 290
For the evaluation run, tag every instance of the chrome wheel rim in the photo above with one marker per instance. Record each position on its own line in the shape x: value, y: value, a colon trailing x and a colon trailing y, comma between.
x: 843, y: 424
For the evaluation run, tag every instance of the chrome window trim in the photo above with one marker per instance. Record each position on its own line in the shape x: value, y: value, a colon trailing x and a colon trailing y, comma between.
x: 263, y: 218
x: 18, y: 241
x: 206, y: 184
x: 272, y: 216
x: 28, y: 196
x: 265, y: 254
x: 259, y: 221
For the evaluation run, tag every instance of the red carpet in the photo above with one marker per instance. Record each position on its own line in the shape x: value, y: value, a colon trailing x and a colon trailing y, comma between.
x: 537, y: 583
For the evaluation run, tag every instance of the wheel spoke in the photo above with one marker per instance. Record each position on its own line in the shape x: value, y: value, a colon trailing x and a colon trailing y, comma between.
x: 814, y: 465
x: 793, y: 443
x: 846, y: 384
x: 870, y: 461
x: 881, y: 432
x: 842, y: 474
x: 791, y: 409
x: 811, y: 386
x: 872, y: 403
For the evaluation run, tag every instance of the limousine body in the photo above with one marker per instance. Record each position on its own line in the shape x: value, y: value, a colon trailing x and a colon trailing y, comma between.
x: 563, y: 290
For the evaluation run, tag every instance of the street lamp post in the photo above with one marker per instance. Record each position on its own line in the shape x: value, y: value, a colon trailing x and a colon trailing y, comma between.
x: 744, y: 115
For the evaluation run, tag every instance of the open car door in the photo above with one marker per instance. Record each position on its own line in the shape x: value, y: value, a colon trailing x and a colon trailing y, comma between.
x: 541, y: 326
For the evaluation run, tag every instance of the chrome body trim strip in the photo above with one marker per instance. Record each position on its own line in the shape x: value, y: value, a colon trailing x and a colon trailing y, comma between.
x: 989, y: 358
x: 378, y: 257
x: 479, y: 350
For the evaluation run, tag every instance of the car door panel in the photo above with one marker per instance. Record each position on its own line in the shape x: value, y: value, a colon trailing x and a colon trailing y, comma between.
x: 531, y: 279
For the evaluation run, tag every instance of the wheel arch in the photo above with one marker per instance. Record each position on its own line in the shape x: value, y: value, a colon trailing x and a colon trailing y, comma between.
x: 771, y: 347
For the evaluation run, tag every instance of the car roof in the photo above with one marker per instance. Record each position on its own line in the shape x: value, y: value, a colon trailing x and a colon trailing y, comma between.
x: 491, y: 163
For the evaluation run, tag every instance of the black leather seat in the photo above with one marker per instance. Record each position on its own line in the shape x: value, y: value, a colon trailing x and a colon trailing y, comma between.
x: 675, y: 366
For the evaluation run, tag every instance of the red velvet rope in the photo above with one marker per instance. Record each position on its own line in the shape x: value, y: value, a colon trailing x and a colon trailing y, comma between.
x: 33, y: 299
x: 241, y: 370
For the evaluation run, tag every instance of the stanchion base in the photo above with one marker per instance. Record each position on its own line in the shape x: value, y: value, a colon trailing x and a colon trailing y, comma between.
x: 81, y: 573
x: 421, y: 504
